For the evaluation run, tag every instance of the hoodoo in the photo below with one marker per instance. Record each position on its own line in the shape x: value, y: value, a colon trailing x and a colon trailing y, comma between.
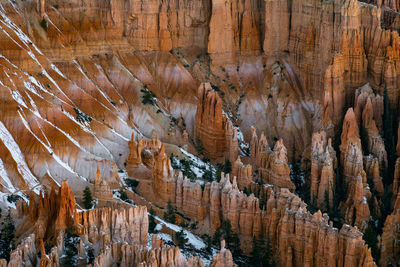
x: 200, y: 133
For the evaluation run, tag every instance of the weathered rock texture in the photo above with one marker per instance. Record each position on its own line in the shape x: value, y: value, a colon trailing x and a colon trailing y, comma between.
x: 243, y: 173
x: 49, y: 214
x: 118, y: 236
x: 142, y: 151
x: 223, y: 201
x: 390, y: 249
x: 272, y: 165
x: 215, y: 131
x: 101, y: 189
x: 355, y: 208
x: 323, y: 162
x: 75, y: 78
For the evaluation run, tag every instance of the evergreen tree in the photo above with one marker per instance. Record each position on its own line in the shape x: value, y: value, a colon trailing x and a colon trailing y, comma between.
x: 388, y: 136
x: 152, y: 221
x: 232, y: 241
x: 313, y: 205
x: 364, y: 139
x: 227, y: 166
x: 218, y: 175
x: 169, y: 216
x: 7, y: 235
x: 70, y: 256
x: 87, y: 198
x: 234, y: 245
x: 209, y: 242
x: 370, y: 237
x: 124, y: 196
x: 261, y: 254
x: 295, y: 172
x: 199, y: 146
x: 245, y: 191
x: 90, y: 255
x: 208, y: 175
x: 217, y: 237
x: 180, y: 239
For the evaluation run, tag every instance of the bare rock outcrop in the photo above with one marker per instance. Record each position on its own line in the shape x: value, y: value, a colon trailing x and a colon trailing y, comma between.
x: 142, y: 151
x: 213, y: 128
x: 164, y: 181
x: 323, y: 162
x: 272, y: 165
x: 108, y: 225
x: 50, y: 213
x: 101, y: 189
x: 355, y: 208
x: 389, y: 247
x: 243, y: 173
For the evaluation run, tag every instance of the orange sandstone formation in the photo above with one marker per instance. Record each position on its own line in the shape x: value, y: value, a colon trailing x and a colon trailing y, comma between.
x: 323, y: 161
x: 272, y: 165
x: 355, y: 208
x: 243, y: 173
x: 389, y: 248
x: 101, y: 189
x: 213, y: 128
x: 49, y: 214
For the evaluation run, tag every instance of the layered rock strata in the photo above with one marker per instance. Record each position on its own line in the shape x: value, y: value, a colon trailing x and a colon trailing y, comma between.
x: 355, y: 208
x: 101, y: 189
x: 48, y: 214
x: 323, y: 162
x: 215, y: 131
x: 243, y: 173
x: 389, y: 247
x: 272, y: 165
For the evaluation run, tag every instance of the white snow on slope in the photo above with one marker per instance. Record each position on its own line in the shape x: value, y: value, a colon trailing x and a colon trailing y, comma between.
x: 195, y: 241
x: 19, y: 158
x: 6, y: 180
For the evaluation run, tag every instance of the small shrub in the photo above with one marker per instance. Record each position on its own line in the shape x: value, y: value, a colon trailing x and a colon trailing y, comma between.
x: 152, y: 221
x: 132, y: 183
x: 169, y: 215
x: 13, y: 198
x: 82, y: 117
x: 44, y: 24
x: 148, y: 97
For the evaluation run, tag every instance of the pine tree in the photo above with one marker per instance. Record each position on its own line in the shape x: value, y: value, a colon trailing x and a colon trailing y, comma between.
x: 152, y: 221
x: 70, y: 248
x: 169, y: 216
x: 87, y: 198
x: 180, y: 239
x: 232, y: 241
x: 7, y: 235
x: 199, y: 146
x: 388, y: 137
x: 370, y: 237
x: 90, y: 255
x: 256, y: 252
x: 218, y: 175
x: 217, y: 237
x: 234, y: 245
x: 227, y: 166
x: 313, y: 205
x: 208, y: 175
x: 209, y: 242
x: 261, y: 254
x: 363, y: 137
